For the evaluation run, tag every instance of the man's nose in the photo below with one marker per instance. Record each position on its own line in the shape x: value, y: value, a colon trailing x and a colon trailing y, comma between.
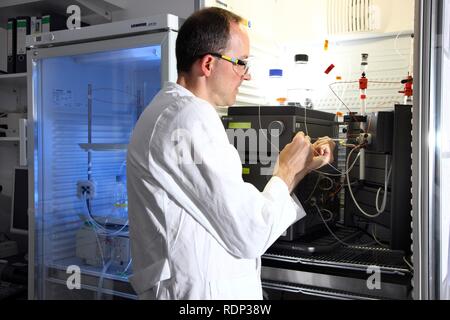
x: 247, y: 77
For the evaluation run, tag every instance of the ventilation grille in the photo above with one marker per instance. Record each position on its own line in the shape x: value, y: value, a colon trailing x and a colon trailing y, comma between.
x: 348, y: 16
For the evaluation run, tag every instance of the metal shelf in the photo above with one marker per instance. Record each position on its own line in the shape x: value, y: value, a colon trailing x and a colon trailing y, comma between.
x: 103, y: 8
x: 113, y: 278
x: 94, y: 288
x: 9, y: 139
x: 14, y: 79
x: 119, y: 4
x: 13, y: 3
x: 21, y: 140
x: 350, y: 258
x: 315, y: 291
x: 104, y: 146
x: 344, y: 281
x: 113, y: 273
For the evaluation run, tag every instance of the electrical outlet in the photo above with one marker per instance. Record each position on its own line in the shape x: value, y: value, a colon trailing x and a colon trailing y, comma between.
x: 87, y: 188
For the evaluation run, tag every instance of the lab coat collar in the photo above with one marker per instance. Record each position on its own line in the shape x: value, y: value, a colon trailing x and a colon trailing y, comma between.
x: 172, y: 87
x: 180, y: 91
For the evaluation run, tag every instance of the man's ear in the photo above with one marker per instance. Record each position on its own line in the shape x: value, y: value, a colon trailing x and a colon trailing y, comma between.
x: 207, y: 64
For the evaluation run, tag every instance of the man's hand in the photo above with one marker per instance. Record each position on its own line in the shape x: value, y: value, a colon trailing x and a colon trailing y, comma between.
x: 294, y: 160
x: 323, y: 150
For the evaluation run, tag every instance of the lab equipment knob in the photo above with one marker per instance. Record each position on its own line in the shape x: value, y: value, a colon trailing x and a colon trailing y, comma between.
x: 276, y: 128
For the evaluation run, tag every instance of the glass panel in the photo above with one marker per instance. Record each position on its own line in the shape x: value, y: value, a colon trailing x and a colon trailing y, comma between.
x: 88, y: 106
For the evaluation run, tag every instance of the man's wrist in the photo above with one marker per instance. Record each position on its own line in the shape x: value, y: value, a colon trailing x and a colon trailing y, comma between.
x: 286, y: 177
x: 299, y: 177
x: 304, y: 173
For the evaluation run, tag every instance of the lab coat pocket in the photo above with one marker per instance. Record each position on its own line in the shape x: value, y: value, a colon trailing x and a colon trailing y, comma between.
x: 247, y: 287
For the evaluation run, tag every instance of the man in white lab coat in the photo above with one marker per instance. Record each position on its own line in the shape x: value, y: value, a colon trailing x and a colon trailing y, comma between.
x: 197, y: 229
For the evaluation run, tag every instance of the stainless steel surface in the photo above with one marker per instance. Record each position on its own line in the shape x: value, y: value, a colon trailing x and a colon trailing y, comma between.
x: 424, y: 144
x: 335, y: 264
x: 105, y: 31
x: 419, y: 268
x: 430, y: 107
x: 351, y: 285
x: 31, y: 142
x: 314, y: 292
x: 357, y: 258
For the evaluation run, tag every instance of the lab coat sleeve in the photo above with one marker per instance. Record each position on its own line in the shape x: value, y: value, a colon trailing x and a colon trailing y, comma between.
x: 205, y: 173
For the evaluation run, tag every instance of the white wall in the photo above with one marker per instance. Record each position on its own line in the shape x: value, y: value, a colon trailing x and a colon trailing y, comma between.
x: 301, y: 21
x: 306, y: 20
x: 389, y: 48
x: 260, y: 14
x: 398, y: 15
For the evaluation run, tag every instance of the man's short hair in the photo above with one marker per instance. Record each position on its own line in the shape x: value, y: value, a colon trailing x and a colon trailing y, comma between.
x: 205, y: 31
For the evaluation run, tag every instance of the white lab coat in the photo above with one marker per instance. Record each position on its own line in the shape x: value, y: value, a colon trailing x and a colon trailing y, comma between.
x: 197, y: 229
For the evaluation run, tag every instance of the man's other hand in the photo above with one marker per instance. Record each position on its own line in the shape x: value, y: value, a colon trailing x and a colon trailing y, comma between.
x: 323, y: 150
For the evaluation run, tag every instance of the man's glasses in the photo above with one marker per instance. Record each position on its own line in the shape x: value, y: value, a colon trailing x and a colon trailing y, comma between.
x: 241, y: 67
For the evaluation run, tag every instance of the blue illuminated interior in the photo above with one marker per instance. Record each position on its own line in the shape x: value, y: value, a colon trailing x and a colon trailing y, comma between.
x: 122, y: 84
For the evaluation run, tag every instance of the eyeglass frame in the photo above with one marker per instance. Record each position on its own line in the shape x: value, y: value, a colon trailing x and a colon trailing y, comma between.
x: 234, y: 61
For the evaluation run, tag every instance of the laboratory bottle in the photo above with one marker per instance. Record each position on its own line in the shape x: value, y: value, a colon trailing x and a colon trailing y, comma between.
x: 302, y: 83
x: 277, y: 90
